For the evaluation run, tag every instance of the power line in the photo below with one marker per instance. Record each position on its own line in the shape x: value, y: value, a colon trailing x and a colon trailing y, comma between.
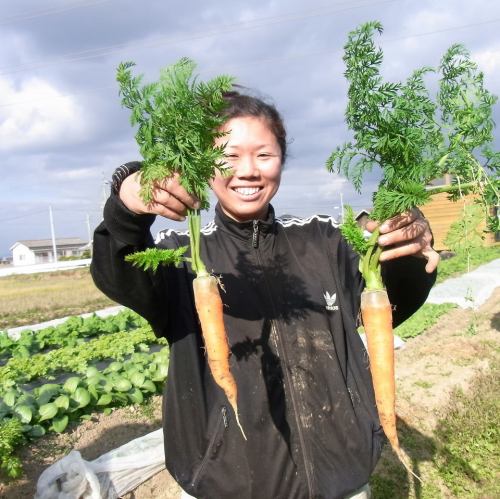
x: 292, y: 57
x: 47, y: 12
x: 30, y: 214
x: 223, y: 30
x: 18, y: 217
x: 386, y: 41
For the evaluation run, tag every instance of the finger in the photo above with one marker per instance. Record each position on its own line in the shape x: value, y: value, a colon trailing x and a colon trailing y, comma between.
x: 173, y: 186
x: 164, y: 211
x: 399, y: 221
x: 411, y: 249
x: 371, y: 225
x: 432, y: 260
x: 407, y: 233
x: 168, y: 200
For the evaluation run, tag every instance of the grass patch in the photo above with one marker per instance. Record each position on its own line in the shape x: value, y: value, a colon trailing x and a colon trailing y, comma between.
x: 458, y: 264
x: 462, y: 457
x: 423, y: 384
x: 423, y: 319
x: 391, y: 480
x: 468, y: 457
x: 32, y: 298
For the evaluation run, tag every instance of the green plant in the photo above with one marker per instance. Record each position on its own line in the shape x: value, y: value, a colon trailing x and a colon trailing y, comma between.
x: 468, y: 454
x: 423, y: 384
x: 422, y: 319
x: 76, y: 358
x: 52, y: 406
x: 178, y: 121
x: 11, y: 436
x: 74, y: 331
x: 413, y: 138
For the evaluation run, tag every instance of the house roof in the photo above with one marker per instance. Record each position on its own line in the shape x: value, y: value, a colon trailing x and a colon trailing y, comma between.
x: 361, y: 213
x: 47, y: 243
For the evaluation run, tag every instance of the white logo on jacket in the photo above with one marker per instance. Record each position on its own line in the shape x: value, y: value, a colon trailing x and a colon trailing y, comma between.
x: 330, y: 301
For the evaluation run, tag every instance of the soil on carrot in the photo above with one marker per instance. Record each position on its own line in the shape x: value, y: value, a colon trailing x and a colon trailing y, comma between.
x: 450, y: 355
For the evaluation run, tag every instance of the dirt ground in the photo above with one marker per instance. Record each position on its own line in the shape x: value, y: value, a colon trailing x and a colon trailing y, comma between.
x: 428, y: 369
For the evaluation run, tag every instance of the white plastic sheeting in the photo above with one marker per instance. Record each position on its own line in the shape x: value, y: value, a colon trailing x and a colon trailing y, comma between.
x: 108, y: 477
x: 44, y: 267
x: 469, y: 290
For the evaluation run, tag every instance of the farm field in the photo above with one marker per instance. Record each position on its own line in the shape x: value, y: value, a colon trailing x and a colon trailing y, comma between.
x: 450, y: 362
x: 32, y: 298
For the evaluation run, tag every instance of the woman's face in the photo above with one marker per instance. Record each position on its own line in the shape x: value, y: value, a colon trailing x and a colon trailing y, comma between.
x: 254, y: 155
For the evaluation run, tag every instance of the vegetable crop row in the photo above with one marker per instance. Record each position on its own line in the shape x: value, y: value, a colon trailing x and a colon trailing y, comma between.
x: 26, y: 415
x: 71, y: 333
x: 76, y: 358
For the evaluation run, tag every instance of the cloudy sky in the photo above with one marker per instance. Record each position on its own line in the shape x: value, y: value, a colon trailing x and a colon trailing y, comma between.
x: 63, y: 131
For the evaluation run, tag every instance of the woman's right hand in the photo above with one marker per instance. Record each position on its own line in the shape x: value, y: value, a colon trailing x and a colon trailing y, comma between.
x: 170, y: 199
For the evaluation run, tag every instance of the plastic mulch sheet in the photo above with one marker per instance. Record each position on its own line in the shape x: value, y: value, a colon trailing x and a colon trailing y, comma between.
x: 108, y: 477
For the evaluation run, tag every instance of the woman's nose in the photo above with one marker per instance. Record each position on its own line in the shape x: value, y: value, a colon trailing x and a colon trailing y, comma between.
x: 246, y: 167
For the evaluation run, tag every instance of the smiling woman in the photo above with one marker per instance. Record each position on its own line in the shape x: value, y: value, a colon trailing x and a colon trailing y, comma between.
x: 304, y: 393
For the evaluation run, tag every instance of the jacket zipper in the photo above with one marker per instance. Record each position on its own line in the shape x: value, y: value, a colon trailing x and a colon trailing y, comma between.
x: 222, y: 419
x: 255, y: 235
x: 282, y: 354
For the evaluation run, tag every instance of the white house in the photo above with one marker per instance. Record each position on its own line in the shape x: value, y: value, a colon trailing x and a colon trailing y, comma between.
x: 30, y: 252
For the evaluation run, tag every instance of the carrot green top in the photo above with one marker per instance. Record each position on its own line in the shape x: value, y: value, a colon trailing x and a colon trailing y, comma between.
x: 412, y: 137
x: 178, y: 118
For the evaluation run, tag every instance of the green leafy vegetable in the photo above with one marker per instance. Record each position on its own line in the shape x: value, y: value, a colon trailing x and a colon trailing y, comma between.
x: 413, y: 138
x: 11, y: 436
x: 178, y: 119
x: 60, y: 423
x: 152, y: 258
x: 47, y: 411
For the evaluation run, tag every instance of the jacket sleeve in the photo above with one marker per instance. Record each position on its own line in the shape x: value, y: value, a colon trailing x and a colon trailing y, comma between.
x: 408, y: 285
x: 123, y: 232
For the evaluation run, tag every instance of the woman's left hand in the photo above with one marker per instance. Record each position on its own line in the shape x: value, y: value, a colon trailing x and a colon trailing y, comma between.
x: 406, y: 234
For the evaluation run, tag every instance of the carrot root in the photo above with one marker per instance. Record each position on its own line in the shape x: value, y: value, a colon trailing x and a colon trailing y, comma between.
x: 376, y: 311
x: 210, y: 313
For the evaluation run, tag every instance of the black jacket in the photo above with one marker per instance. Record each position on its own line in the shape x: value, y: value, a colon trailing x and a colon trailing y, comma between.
x: 305, y: 398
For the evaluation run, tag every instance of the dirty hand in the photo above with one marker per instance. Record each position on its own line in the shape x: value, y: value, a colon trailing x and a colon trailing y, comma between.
x: 406, y: 234
x: 170, y: 199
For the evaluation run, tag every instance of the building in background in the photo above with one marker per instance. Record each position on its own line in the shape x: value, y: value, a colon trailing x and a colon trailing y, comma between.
x: 362, y: 218
x: 31, y: 252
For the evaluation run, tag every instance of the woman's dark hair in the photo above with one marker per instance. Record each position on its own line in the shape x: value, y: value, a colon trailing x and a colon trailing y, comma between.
x: 240, y: 105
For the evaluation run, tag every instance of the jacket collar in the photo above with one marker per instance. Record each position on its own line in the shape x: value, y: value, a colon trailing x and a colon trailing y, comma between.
x: 245, y: 230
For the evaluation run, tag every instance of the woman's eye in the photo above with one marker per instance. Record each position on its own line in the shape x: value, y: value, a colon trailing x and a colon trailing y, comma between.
x: 230, y: 156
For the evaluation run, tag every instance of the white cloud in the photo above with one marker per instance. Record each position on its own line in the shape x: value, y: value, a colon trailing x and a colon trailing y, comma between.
x: 488, y: 61
x: 38, y: 115
x: 77, y: 174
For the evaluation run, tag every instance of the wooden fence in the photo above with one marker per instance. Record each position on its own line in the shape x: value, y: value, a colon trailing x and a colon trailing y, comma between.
x: 441, y: 213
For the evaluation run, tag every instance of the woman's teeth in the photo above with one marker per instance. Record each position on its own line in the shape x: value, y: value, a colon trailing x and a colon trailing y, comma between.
x: 246, y: 191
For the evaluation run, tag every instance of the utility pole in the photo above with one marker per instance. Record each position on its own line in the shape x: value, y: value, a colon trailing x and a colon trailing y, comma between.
x: 104, y: 192
x: 89, y: 234
x: 54, y: 248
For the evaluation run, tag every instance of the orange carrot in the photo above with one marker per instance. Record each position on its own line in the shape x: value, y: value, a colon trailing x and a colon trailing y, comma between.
x: 376, y: 311
x: 210, y: 312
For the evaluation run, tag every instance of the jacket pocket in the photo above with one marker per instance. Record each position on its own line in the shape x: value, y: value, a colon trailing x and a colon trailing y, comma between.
x: 213, y: 447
